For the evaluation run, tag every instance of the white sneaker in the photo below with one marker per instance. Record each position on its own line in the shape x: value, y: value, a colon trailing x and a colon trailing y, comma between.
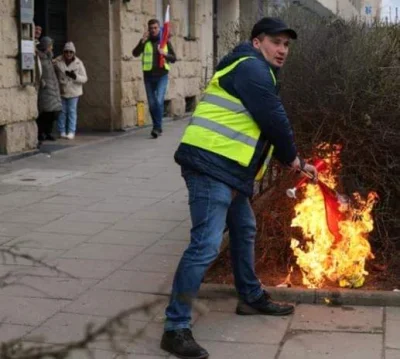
x: 71, y: 136
x: 63, y: 135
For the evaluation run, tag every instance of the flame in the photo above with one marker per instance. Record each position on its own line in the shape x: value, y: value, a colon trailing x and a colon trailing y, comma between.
x: 319, y: 258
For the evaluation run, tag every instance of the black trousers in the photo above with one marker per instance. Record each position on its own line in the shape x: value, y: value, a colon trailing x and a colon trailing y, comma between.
x: 45, y: 122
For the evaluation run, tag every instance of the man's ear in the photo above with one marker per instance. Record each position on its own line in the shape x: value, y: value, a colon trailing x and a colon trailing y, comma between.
x: 256, y: 43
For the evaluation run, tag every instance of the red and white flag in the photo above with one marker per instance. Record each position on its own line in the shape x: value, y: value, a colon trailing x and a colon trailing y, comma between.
x: 164, y: 36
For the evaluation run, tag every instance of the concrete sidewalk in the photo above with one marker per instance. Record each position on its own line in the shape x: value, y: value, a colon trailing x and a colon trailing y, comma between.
x: 115, y: 216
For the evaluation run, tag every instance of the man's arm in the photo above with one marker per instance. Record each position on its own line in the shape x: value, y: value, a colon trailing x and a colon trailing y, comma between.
x: 171, y: 56
x: 137, y: 51
x: 254, y: 86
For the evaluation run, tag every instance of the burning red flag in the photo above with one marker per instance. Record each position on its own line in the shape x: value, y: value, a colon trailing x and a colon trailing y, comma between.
x: 335, y: 229
x: 164, y: 36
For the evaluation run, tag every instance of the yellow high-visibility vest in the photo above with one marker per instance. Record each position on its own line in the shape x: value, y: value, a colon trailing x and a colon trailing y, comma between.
x: 222, y: 125
x: 147, y: 57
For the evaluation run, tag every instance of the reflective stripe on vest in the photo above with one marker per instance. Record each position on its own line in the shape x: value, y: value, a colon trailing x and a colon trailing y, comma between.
x: 226, y: 131
x: 147, y: 57
x: 222, y: 125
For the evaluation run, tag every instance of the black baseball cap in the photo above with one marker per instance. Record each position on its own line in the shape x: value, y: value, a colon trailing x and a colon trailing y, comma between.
x: 272, y: 26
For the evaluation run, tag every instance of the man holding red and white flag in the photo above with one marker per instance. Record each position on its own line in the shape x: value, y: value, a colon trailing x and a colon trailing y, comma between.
x: 157, y: 55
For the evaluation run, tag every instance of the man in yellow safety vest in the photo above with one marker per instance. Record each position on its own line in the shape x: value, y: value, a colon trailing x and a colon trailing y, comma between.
x: 155, y: 77
x: 236, y: 128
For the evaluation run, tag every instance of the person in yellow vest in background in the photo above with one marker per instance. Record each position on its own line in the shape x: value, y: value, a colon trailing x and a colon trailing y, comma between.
x: 236, y: 128
x: 155, y: 78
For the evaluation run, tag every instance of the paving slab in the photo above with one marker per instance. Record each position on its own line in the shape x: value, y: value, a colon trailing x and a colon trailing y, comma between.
x: 393, y: 313
x: 165, y: 184
x: 45, y: 255
x: 144, y: 282
x: 24, y: 198
x: 99, y: 217
x: 71, y: 200
x: 103, y: 251
x: 72, y: 227
x: 80, y: 268
x: 180, y: 233
x: 227, y: 305
x: 97, y: 302
x: 28, y: 311
x: 121, y: 204
x: 24, y: 216
x: 317, y: 345
x: 344, y: 318
x: 65, y: 327
x: 47, y: 240
x: 164, y: 214
x: 11, y: 229
x: 96, y: 354
x: 42, y: 207
x: 392, y: 354
x: 134, y: 238
x: 13, y: 331
x: 32, y: 177
x: 143, y: 193
x: 392, y: 333
x: 145, y: 225
x: 144, y: 170
x: 47, y: 287
x: 228, y: 327
x: 168, y: 248
x: 153, y: 263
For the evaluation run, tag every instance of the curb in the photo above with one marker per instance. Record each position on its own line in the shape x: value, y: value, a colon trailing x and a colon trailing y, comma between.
x: 17, y: 156
x: 332, y: 297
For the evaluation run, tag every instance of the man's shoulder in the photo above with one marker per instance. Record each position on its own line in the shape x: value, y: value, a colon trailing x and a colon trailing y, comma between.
x: 254, y: 69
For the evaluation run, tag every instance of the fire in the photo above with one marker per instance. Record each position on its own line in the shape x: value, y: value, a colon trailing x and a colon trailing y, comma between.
x: 321, y: 259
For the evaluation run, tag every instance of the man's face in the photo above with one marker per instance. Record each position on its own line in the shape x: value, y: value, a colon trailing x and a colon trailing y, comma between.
x: 38, y: 32
x: 275, y: 48
x: 154, y: 30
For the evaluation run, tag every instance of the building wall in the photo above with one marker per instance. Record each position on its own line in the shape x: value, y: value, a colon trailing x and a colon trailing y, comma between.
x: 18, y: 109
x: 192, y: 50
x: 346, y: 9
x: 228, y: 26
x: 89, y: 29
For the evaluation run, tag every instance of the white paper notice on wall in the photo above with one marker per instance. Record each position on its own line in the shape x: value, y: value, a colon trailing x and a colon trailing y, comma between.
x: 27, y: 47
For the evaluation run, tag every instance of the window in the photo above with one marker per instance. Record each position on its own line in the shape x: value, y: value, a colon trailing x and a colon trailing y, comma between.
x: 160, y: 10
x: 189, y: 19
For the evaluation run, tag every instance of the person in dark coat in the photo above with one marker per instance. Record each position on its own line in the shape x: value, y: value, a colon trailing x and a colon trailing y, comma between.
x: 49, y: 98
x: 238, y: 125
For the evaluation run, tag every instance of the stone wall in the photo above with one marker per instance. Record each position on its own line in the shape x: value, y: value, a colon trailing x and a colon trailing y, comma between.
x: 186, y: 76
x: 18, y: 104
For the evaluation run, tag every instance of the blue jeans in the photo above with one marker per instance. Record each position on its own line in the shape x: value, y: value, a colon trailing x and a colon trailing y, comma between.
x: 68, y: 117
x: 156, y: 87
x: 212, y: 205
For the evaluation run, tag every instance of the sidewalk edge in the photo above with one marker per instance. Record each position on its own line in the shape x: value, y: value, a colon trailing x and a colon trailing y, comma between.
x: 334, y: 297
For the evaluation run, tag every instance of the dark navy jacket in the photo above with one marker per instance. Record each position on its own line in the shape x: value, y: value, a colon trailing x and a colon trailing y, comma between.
x: 252, y: 83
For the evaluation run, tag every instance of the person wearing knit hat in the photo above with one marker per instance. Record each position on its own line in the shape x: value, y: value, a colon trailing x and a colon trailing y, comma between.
x: 49, y: 99
x: 72, y: 75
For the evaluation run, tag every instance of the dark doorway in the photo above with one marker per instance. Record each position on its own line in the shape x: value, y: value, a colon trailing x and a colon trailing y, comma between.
x: 51, y: 15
